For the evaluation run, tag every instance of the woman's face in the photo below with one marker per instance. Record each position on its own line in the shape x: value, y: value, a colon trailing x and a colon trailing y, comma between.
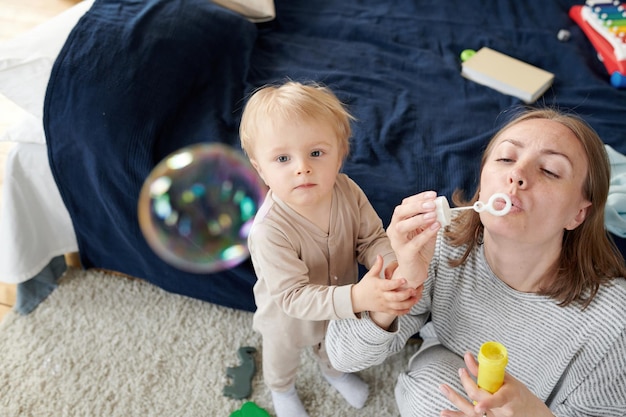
x: 542, y: 166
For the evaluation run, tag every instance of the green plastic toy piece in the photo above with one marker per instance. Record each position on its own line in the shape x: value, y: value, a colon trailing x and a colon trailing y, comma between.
x: 241, y: 376
x: 467, y: 54
x: 250, y: 409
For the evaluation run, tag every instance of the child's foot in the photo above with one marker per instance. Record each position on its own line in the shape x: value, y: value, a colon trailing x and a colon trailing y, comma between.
x: 352, y: 387
x: 288, y: 404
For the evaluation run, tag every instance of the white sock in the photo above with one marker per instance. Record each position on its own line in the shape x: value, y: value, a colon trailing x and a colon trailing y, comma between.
x: 429, y: 337
x: 288, y: 404
x: 351, y: 387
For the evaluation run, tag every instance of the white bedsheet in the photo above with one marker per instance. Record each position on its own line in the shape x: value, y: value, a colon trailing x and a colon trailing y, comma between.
x: 34, y: 223
x: 35, y: 226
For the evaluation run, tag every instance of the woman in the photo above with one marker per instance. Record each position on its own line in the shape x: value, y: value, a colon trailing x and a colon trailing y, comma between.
x: 544, y: 280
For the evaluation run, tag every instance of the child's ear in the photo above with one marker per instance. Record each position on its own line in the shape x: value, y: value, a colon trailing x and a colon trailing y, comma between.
x: 257, y: 168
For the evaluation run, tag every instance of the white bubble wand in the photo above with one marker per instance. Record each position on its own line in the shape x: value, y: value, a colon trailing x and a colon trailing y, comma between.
x: 444, y: 212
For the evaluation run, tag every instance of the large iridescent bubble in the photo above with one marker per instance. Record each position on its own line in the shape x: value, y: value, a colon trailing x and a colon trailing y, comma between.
x: 197, y: 206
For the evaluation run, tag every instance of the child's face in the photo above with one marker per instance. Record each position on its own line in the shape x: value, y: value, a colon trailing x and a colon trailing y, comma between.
x: 299, y: 161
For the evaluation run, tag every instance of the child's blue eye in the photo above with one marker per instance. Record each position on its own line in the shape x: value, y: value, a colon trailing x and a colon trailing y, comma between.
x: 283, y: 158
x: 316, y: 153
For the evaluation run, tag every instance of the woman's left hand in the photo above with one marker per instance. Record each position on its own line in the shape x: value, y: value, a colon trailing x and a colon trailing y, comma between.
x: 512, y: 399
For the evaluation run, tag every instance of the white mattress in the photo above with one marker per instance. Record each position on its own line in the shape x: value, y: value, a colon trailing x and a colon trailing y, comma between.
x: 34, y: 223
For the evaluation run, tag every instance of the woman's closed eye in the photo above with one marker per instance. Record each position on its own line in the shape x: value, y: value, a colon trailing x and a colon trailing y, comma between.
x: 550, y: 173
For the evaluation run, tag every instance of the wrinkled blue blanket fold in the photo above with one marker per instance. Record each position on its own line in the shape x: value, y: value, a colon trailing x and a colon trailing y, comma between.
x: 137, y: 80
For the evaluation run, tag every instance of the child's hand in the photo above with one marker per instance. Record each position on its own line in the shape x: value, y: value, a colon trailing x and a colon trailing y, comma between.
x: 383, y: 295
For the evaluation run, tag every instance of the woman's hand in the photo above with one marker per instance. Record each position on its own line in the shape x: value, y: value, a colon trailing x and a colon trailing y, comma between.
x: 511, y: 400
x: 412, y: 233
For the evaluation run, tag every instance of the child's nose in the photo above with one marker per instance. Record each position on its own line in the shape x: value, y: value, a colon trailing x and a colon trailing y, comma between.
x: 303, y: 168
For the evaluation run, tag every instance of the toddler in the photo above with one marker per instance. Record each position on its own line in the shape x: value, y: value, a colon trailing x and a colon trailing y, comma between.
x: 313, y: 229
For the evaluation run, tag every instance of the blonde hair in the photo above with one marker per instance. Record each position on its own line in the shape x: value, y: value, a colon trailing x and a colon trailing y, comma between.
x: 294, y: 101
x: 589, y: 257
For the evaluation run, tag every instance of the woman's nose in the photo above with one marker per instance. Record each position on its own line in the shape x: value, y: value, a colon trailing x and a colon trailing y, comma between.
x: 517, y: 177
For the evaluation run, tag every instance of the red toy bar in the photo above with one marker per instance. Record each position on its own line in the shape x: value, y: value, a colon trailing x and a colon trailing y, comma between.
x: 604, y: 23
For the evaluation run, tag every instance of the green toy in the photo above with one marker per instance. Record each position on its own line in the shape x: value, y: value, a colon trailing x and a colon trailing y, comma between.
x: 241, y: 376
x: 250, y: 409
x: 467, y: 54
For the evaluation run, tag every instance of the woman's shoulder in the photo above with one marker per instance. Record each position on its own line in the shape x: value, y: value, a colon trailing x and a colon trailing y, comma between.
x: 610, y: 301
x: 445, y: 248
x: 614, y: 288
x: 614, y: 291
x: 445, y: 252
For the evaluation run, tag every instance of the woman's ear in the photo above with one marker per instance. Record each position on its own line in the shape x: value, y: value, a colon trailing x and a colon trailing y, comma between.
x: 580, y: 216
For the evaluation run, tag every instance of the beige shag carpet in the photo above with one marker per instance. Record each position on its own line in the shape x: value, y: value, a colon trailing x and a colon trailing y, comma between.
x: 106, y: 345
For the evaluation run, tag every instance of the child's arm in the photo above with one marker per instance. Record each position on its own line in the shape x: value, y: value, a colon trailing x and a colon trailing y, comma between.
x: 374, y: 294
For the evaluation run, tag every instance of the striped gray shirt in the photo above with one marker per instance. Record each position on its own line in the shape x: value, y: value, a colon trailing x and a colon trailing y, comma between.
x: 574, y: 360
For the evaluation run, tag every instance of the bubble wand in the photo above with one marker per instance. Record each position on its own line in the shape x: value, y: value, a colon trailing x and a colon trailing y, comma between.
x: 444, y: 212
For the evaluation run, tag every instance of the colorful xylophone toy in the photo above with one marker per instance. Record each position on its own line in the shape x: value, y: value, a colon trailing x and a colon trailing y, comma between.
x: 604, y: 23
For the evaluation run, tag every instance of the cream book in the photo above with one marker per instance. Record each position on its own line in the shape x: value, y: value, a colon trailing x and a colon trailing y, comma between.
x: 507, y: 75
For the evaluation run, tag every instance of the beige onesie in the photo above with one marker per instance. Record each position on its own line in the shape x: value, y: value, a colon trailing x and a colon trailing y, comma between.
x: 305, y: 275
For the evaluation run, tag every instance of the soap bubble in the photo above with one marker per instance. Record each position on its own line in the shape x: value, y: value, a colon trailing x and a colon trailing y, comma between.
x: 197, y: 206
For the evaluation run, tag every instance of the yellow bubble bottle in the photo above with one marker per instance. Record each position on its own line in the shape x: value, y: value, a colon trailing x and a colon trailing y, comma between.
x: 492, y: 361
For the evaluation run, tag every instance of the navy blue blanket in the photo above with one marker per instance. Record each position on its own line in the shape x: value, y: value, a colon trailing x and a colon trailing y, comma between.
x: 137, y: 80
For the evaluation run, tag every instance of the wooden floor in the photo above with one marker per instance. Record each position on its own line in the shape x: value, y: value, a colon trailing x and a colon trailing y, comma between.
x: 16, y: 17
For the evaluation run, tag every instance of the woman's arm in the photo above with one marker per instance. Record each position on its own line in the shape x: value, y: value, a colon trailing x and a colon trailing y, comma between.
x: 354, y: 345
x: 412, y: 232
